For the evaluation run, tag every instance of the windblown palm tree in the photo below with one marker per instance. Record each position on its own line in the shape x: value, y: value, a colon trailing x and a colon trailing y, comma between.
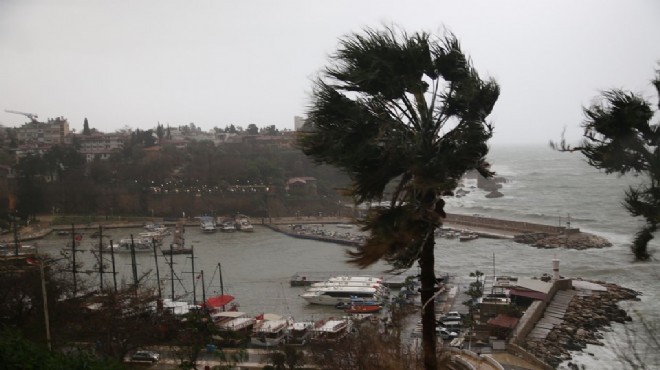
x: 619, y: 137
x: 405, y: 117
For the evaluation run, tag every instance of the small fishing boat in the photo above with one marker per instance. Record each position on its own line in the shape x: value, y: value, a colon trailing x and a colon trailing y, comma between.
x: 363, y: 309
x: 467, y: 236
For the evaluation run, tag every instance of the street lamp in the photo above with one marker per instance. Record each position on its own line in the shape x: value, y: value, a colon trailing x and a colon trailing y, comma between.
x: 268, y: 205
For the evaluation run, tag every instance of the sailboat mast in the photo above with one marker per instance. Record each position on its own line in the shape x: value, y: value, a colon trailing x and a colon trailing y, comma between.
x: 114, y: 271
x: 222, y: 287
x: 134, y: 264
x: 203, y: 289
x: 192, y: 262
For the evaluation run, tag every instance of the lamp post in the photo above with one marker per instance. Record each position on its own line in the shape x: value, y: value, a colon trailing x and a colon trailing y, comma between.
x: 268, y: 205
x: 16, y: 232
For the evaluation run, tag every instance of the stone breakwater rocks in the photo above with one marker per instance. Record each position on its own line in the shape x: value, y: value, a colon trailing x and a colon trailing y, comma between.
x: 585, y: 316
x: 572, y: 241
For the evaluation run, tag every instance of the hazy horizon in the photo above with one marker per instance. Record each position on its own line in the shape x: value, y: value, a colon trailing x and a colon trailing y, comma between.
x: 240, y: 62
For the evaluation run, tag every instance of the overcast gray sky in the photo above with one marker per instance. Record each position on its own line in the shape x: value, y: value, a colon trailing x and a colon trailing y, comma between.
x: 217, y: 62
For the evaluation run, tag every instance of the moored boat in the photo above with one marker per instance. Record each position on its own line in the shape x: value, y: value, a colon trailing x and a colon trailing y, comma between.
x: 234, y: 327
x: 363, y: 309
x: 207, y: 224
x: 467, y: 236
x: 226, y: 225
x: 136, y: 244
x: 355, y: 278
x: 298, y: 333
x: 330, y: 331
x: 270, y: 330
x: 242, y: 223
x: 333, y: 295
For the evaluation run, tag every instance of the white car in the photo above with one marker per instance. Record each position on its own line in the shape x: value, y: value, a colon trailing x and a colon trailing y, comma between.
x: 452, y: 316
x: 445, y: 334
x: 149, y: 356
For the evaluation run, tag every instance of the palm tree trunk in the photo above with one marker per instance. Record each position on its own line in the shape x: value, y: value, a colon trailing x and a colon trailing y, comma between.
x: 427, y: 267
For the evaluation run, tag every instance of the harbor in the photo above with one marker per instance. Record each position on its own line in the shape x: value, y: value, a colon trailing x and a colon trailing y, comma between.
x: 277, y: 289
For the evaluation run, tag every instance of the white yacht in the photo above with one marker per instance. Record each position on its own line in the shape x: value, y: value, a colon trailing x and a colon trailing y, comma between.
x: 140, y: 245
x: 207, y: 224
x: 369, y: 279
x: 333, y: 295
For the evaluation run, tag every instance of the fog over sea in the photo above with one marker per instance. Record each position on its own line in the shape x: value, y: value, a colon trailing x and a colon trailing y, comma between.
x: 543, y: 186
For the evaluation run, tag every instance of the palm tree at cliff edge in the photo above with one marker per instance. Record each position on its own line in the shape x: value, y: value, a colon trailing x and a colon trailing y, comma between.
x: 406, y: 113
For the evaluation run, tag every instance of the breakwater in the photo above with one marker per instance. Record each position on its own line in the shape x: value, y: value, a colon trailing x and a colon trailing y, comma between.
x: 317, y: 233
x: 513, y: 227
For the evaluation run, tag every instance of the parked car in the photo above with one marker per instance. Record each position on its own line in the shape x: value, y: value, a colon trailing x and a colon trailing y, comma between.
x: 145, y: 356
x: 446, y: 334
x: 452, y: 316
x: 451, y: 325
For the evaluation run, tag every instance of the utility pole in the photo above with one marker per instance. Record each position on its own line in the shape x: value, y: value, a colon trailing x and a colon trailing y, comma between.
x: 73, y: 256
x: 45, y: 298
x: 160, y: 293
x: 101, y: 255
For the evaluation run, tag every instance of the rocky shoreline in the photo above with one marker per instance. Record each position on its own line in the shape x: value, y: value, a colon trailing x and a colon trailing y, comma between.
x: 578, y: 240
x: 584, y: 318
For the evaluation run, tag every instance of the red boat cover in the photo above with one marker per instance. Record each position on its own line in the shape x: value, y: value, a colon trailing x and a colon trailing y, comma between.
x: 218, y: 301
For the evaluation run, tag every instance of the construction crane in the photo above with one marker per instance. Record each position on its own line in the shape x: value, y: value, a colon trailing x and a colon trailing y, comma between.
x: 33, y: 117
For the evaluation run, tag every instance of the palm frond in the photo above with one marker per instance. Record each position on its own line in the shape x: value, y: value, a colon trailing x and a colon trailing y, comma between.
x: 396, y: 235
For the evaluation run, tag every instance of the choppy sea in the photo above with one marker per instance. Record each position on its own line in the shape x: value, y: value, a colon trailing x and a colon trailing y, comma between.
x: 542, y: 186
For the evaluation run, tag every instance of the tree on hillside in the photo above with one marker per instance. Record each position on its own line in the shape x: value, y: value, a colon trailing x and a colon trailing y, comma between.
x: 252, y: 129
x: 407, y: 114
x: 619, y: 137
x: 86, y: 130
x: 18, y: 352
x: 160, y: 133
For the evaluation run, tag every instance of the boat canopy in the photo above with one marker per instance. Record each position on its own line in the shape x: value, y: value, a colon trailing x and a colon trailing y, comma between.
x: 219, y: 301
